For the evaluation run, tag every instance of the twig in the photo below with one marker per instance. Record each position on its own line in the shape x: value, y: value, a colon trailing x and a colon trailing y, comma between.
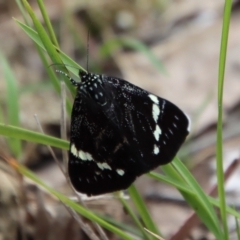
x: 64, y: 125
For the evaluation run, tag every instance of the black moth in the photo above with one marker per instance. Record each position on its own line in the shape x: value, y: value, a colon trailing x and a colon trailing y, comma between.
x: 119, y: 132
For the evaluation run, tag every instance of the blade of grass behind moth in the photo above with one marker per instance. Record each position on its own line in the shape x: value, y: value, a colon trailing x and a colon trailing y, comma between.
x: 53, y: 77
x: 124, y: 226
x: 193, y: 220
x: 207, y: 214
x: 170, y: 181
x: 229, y: 209
x: 219, y: 137
x: 68, y: 62
x: 22, y: 10
x: 237, y: 228
x: 133, y: 216
x: 24, y: 134
x: 142, y: 209
x: 35, y: 37
x: 48, y: 23
x: 12, y: 99
x: 199, y: 202
x: 44, y: 38
x: 53, y: 54
x: 71, y: 64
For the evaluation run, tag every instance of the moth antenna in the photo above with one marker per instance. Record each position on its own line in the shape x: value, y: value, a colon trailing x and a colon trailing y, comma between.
x: 87, y: 48
x: 70, y: 79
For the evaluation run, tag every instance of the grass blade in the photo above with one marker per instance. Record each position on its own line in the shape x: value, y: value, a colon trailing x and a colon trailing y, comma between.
x: 134, y: 218
x: 48, y: 23
x: 198, y: 201
x: 222, y: 61
x: 12, y: 105
x: 23, y: 134
x: 142, y: 209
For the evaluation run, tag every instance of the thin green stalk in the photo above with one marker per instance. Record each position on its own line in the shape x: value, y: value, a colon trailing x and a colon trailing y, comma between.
x: 40, y: 51
x: 222, y: 61
x: 134, y: 217
x: 237, y: 228
x: 12, y: 100
x: 21, y: 8
x: 52, y: 75
x: 27, y: 135
x: 142, y: 209
x: 48, y: 23
x: 198, y: 201
x: 170, y: 181
x: 230, y: 210
x: 121, y: 225
x: 53, y: 54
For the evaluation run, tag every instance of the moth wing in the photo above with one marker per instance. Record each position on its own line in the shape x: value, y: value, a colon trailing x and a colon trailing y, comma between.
x: 152, y: 125
x: 128, y: 134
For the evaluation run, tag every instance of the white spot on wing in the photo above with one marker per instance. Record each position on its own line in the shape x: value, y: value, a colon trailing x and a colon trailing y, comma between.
x: 73, y: 150
x: 154, y: 98
x: 189, y: 123
x: 103, y: 166
x: 157, y: 132
x: 120, y: 172
x: 156, y: 150
x: 104, y: 104
x: 155, y: 112
x: 85, y: 156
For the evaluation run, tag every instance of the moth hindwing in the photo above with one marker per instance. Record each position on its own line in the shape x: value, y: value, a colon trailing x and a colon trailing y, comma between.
x: 119, y: 132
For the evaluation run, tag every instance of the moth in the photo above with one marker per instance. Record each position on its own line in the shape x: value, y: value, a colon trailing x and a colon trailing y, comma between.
x: 119, y: 132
